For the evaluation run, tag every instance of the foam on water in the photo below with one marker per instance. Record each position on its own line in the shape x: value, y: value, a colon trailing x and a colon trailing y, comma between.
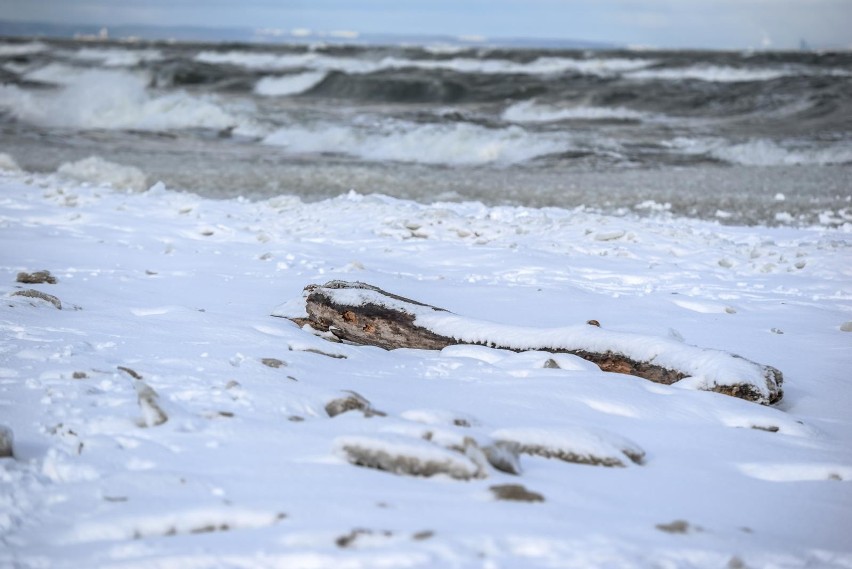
x: 459, y: 143
x: 317, y: 61
x: 116, y: 57
x: 115, y: 100
x: 289, y: 84
x: 762, y: 152
x: 15, y: 49
x: 56, y: 73
x: 533, y: 112
x: 712, y: 73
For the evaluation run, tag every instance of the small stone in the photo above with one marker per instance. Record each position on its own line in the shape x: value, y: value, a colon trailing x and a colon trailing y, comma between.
x: 79, y: 375
x: 422, y: 535
x: 551, y: 364
x: 677, y: 526
x: 594, y: 323
x: 515, y: 493
x: 273, y: 362
x: 846, y: 326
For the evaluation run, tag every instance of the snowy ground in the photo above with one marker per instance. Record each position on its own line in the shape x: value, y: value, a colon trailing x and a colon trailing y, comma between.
x: 250, y: 470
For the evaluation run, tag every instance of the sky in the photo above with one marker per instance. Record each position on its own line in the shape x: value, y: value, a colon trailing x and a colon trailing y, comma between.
x: 712, y: 24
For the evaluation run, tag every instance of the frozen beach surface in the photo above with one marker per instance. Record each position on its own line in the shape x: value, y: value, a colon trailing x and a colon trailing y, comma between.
x: 160, y: 416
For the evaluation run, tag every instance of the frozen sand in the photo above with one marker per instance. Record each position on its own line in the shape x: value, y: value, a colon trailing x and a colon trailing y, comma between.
x: 180, y: 289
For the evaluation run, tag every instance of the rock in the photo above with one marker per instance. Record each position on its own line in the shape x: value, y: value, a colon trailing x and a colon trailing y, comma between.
x: 407, y: 456
x: 677, y: 526
x: 6, y: 440
x: 152, y: 413
x: 576, y: 444
x: 351, y: 402
x: 515, y: 493
x: 38, y: 277
x: 273, y: 362
x: 32, y: 293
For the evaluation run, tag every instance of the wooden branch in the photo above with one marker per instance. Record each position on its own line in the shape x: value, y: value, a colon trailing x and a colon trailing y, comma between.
x: 363, y: 314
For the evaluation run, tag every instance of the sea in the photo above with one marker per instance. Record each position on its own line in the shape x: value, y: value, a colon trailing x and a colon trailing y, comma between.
x: 753, y: 138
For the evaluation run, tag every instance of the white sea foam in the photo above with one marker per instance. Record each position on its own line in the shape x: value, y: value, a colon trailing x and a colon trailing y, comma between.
x: 459, y: 143
x: 56, y: 73
x: 319, y: 62
x: 13, y: 49
x: 713, y: 73
x: 117, y: 57
x: 763, y: 152
x: 116, y: 100
x: 533, y: 112
x: 289, y: 84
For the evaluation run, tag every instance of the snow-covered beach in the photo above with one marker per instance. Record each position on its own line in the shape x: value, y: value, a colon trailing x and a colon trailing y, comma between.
x: 167, y: 297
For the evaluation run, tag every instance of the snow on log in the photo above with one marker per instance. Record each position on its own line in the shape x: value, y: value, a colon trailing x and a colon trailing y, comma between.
x: 363, y: 314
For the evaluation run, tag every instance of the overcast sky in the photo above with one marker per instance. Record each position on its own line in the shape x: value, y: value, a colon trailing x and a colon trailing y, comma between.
x: 733, y: 24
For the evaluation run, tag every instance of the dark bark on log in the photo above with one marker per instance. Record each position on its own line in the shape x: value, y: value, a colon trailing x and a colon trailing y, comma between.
x: 389, y: 328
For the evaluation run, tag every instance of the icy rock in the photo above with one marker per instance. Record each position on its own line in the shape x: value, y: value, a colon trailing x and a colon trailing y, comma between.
x: 504, y: 457
x: 846, y: 326
x: 408, y: 456
x: 38, y: 277
x: 515, y: 493
x: 152, y: 413
x: 578, y: 445
x: 351, y: 402
x: 32, y: 293
x: 6, y: 442
x: 273, y: 362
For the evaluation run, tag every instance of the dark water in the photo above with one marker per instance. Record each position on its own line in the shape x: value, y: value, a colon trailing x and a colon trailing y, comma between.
x: 740, y: 137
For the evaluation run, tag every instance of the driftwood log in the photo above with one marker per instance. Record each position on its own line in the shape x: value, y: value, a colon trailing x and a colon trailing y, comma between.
x: 363, y: 314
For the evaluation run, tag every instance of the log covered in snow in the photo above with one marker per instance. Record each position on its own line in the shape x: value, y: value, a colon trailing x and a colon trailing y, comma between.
x: 364, y: 314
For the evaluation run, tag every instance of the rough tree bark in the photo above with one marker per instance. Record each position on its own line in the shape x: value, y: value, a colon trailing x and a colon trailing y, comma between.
x: 389, y: 321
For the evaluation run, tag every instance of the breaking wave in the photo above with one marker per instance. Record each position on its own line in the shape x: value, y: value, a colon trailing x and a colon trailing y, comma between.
x: 16, y: 49
x: 97, y: 99
x: 288, y: 84
x: 457, y: 144
x: 533, y: 112
x: 321, y: 62
x: 728, y: 74
x: 762, y: 152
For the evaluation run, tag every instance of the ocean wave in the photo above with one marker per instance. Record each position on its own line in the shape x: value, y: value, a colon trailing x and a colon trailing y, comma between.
x: 725, y: 74
x: 289, y: 84
x: 321, y: 62
x: 117, y: 100
x: 454, y: 144
x: 533, y: 112
x: 763, y: 152
x: 55, y: 73
x: 16, y: 49
x: 116, y: 57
